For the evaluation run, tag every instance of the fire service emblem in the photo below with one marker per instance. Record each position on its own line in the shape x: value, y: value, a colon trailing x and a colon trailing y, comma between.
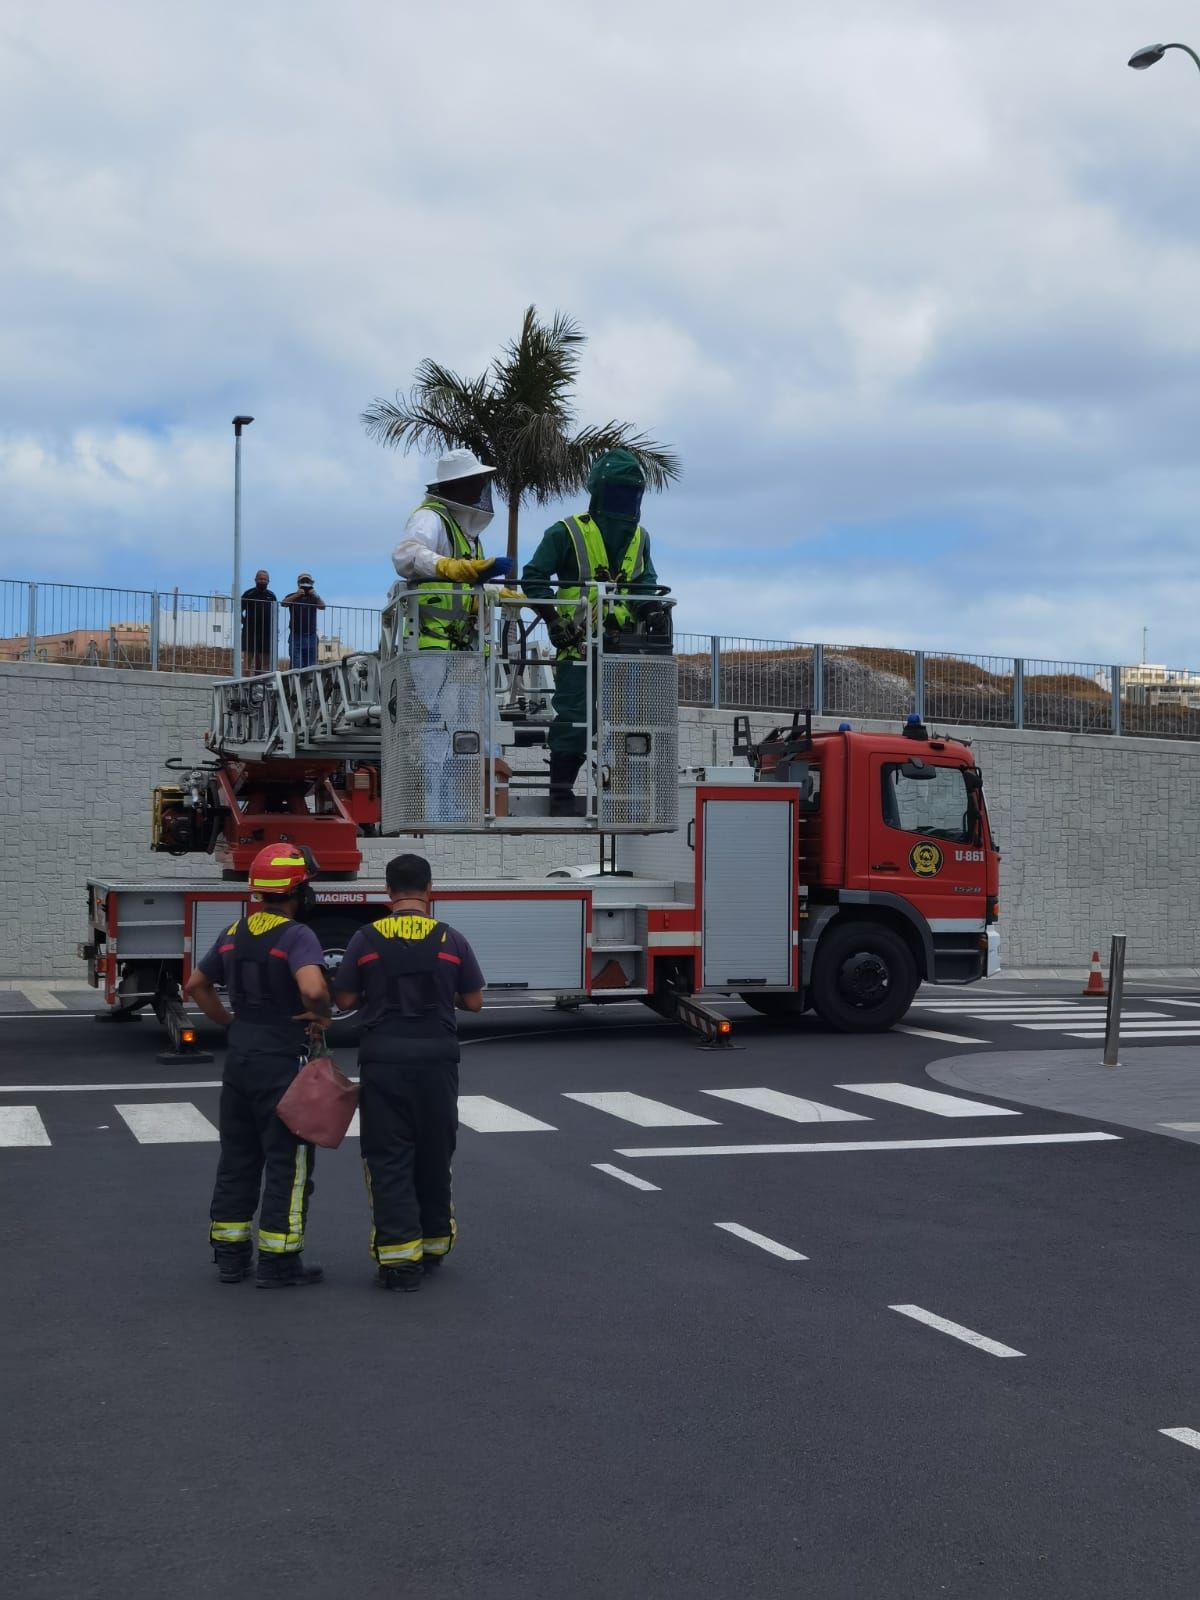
x: 926, y: 859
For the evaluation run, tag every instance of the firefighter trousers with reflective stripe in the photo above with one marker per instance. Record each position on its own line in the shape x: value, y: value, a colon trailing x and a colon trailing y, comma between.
x: 408, y: 1122
x: 257, y: 1152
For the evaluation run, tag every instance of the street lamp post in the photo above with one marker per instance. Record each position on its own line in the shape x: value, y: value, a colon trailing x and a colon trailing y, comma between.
x: 1150, y: 55
x: 238, y: 424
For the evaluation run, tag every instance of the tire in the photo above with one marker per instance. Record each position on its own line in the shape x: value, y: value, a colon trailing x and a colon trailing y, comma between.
x: 774, y: 1003
x: 864, y: 977
x: 335, y: 931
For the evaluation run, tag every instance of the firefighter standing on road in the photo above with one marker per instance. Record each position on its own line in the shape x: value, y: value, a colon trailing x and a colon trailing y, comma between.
x: 409, y: 972
x: 605, y: 543
x: 273, y: 969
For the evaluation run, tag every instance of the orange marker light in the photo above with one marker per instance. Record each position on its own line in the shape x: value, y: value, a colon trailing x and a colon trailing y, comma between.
x: 187, y: 1036
x: 724, y: 1027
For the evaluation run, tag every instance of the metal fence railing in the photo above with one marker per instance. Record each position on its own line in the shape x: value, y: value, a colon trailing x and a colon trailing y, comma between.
x: 177, y: 632
x: 172, y: 631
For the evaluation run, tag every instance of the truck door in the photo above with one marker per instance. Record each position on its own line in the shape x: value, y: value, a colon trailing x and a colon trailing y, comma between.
x: 926, y: 843
x: 746, y: 868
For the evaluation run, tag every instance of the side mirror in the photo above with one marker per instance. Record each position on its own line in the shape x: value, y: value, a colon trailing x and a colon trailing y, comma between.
x: 916, y: 768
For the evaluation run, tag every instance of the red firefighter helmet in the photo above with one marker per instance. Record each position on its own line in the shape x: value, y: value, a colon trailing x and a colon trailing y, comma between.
x: 280, y: 869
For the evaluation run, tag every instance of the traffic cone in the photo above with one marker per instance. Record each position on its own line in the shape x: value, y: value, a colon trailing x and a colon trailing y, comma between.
x: 1095, y: 983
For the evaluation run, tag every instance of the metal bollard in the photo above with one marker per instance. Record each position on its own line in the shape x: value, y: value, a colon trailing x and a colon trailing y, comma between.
x: 1116, y: 990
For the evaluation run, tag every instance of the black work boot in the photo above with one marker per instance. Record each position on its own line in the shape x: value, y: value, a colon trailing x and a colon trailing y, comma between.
x: 404, y: 1279
x: 234, y: 1261
x: 430, y: 1264
x: 564, y: 769
x: 286, y: 1272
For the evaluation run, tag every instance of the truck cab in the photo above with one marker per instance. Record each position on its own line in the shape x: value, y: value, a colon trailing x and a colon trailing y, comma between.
x: 899, y: 872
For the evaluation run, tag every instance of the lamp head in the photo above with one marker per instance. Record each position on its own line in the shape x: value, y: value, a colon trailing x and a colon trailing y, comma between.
x: 241, y: 422
x: 1147, y: 56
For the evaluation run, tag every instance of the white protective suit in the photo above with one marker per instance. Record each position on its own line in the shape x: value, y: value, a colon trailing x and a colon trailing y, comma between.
x: 450, y: 706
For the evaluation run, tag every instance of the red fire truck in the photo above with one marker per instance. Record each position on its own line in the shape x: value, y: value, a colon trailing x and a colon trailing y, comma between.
x: 830, y: 870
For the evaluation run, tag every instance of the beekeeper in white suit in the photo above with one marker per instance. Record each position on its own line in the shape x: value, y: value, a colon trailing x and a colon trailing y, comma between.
x: 440, y: 557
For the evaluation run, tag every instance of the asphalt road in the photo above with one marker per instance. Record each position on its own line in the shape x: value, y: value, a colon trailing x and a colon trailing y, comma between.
x: 607, y: 1392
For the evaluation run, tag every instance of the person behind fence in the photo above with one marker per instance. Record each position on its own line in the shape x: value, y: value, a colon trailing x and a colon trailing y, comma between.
x: 302, y: 606
x: 606, y: 543
x: 440, y: 558
x: 258, y: 626
x: 409, y: 972
x: 274, y: 972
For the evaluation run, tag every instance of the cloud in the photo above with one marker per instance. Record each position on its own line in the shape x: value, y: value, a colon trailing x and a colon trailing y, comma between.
x: 908, y: 285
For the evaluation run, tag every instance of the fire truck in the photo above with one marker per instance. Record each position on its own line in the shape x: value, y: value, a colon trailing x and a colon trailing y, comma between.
x: 824, y: 870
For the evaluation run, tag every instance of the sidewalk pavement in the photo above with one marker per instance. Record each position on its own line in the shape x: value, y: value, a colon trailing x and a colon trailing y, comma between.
x: 28, y: 996
x: 1155, y: 1088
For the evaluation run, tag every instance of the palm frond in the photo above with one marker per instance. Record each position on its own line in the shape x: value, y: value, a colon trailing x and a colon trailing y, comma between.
x: 660, y: 464
x: 518, y: 416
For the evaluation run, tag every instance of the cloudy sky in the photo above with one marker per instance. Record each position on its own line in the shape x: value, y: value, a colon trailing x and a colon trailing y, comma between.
x: 911, y: 285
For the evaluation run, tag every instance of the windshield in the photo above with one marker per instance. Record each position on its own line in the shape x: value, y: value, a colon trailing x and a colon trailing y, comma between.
x: 936, y: 808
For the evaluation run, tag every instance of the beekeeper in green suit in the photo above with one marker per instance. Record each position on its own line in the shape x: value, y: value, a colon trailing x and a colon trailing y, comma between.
x: 604, y: 544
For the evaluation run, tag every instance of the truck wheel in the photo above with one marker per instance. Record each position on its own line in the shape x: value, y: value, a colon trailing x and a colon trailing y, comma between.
x: 864, y: 977
x: 775, y: 1004
x: 335, y: 933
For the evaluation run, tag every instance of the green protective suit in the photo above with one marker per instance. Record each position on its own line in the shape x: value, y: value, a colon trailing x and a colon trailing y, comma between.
x: 554, y: 558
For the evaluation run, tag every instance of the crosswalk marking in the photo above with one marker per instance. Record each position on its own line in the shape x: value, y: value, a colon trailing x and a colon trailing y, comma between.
x: 993, y: 1008
x: 642, y: 1111
x: 170, y: 1122
x: 791, y: 1106
x: 482, y: 1114
x: 42, y: 996
x: 352, y: 1131
x: 1132, y: 1035
x: 1098, y: 1022
x: 941, y: 1105
x: 21, y: 1125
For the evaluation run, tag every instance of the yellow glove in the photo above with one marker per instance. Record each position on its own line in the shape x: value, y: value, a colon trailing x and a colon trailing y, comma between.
x: 455, y: 571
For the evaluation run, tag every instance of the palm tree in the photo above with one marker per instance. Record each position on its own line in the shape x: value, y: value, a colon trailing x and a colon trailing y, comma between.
x: 518, y: 417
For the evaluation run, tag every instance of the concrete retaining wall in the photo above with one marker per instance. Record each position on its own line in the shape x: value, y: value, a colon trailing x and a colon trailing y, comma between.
x: 1098, y: 834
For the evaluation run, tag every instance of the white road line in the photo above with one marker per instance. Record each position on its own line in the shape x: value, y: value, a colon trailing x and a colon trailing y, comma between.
x: 1067, y: 1013
x: 168, y: 1122
x: 761, y: 1240
x: 630, y: 1178
x: 352, y: 1131
x: 983, y: 1008
x: 42, y: 996
x: 957, y: 1331
x: 1158, y: 1000
x: 1128, y: 1036
x: 1147, y: 1017
x: 642, y: 1111
x: 791, y: 1106
x: 983, y: 1003
x: 944, y: 1038
x: 45, y: 1016
x: 485, y: 1115
x: 1184, y: 1435
x: 1182, y: 1127
x: 21, y: 1125
x: 98, y: 1088
x: 941, y: 1105
x: 838, y: 1146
